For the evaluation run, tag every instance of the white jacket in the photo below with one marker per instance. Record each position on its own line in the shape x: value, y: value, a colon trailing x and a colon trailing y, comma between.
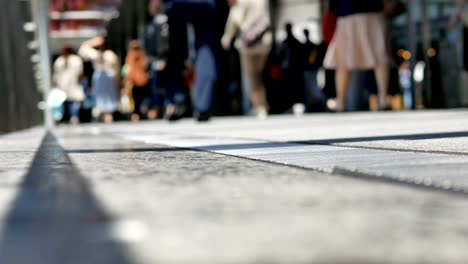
x: 241, y: 17
x: 67, y: 73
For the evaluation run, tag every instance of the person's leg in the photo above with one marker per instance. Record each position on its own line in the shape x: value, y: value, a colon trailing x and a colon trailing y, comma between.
x: 108, y: 118
x: 205, y: 65
x: 314, y: 95
x: 138, y: 97
x: 156, y: 98
x: 248, y: 82
x: 178, y: 49
x: 258, y: 93
x: 382, y: 76
x: 74, y: 109
x: 343, y: 78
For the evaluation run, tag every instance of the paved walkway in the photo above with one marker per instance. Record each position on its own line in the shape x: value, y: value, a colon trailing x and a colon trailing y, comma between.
x: 350, y: 188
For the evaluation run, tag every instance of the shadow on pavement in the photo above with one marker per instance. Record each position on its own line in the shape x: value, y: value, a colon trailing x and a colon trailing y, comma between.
x: 56, y: 219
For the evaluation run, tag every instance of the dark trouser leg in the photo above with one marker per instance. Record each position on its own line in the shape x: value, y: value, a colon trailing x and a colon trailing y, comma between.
x: 139, y: 96
x: 178, y: 50
x: 206, y: 74
x: 465, y: 48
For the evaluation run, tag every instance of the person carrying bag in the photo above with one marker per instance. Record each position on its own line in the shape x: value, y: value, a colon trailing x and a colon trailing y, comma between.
x: 250, y: 19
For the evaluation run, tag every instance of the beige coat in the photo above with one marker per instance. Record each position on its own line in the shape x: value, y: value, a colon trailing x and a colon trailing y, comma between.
x: 241, y: 17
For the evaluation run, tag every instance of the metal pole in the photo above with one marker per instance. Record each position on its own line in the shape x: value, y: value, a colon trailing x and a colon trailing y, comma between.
x: 40, y: 13
x: 413, y: 47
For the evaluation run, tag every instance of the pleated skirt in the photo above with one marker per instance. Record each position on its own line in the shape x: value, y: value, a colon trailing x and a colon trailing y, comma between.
x: 360, y: 43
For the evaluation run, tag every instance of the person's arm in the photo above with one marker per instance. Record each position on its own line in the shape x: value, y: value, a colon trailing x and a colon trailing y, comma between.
x: 87, y: 51
x: 55, y: 72
x: 80, y: 66
x: 144, y: 62
x: 116, y: 66
x: 129, y: 59
x: 230, y: 29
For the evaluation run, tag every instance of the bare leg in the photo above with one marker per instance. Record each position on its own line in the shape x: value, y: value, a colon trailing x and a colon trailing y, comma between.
x: 343, y: 77
x: 108, y: 118
x: 135, y: 117
x: 258, y: 92
x: 382, y: 75
x: 254, y: 87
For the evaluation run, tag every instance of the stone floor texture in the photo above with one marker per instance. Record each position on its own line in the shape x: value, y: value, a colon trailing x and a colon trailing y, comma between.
x: 331, y: 188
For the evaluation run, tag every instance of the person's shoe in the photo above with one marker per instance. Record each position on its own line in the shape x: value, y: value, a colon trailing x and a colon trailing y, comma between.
x: 261, y: 113
x: 385, y: 104
x: 174, y: 117
x: 135, y: 118
x: 108, y: 118
x: 174, y: 113
x: 385, y: 108
x: 74, y: 120
x: 334, y: 106
x: 154, y: 113
x: 203, y: 117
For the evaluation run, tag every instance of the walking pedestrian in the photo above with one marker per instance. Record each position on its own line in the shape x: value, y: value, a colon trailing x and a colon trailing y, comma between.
x: 359, y: 43
x: 105, y: 77
x: 137, y: 79
x: 68, y: 69
x: 292, y: 58
x: 201, y: 15
x: 155, y: 60
x: 312, y: 58
x: 251, y: 19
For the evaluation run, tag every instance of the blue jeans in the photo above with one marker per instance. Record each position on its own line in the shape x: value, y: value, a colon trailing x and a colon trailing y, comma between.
x: 202, y: 17
x: 311, y: 86
x: 73, y: 108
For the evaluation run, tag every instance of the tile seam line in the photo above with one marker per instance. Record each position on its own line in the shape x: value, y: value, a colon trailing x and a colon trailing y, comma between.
x: 337, y: 171
x: 312, y: 143
x: 433, y: 152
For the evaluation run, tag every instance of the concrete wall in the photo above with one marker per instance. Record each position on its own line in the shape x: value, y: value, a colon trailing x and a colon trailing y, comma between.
x: 19, y: 96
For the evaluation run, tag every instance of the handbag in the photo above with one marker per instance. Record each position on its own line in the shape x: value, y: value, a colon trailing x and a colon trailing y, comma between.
x: 393, y: 8
x: 256, y: 31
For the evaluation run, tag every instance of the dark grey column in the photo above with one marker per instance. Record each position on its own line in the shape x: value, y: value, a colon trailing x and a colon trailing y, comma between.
x: 19, y: 96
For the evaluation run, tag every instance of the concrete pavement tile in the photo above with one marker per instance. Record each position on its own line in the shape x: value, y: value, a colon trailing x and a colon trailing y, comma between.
x: 199, y: 207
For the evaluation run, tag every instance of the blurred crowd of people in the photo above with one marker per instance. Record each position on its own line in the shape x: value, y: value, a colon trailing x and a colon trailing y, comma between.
x: 270, y: 77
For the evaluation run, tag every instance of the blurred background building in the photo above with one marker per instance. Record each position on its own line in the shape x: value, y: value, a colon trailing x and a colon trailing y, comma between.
x: 428, y: 54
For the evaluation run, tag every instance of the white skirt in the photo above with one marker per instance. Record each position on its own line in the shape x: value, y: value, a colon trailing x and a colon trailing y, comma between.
x: 360, y: 42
